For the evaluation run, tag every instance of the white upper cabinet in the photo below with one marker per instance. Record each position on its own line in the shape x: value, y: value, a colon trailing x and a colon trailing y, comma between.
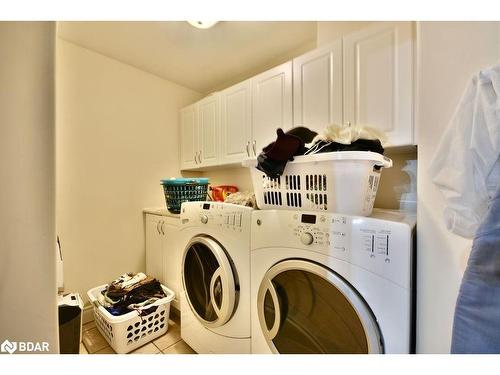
x: 317, y: 87
x: 378, y: 80
x: 365, y: 78
x: 271, y: 105
x: 200, y: 133
x: 189, y: 137
x: 208, y: 124
x: 236, y: 122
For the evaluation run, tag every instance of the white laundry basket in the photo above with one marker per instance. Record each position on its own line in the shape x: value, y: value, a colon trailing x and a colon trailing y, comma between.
x: 343, y: 182
x: 129, y: 331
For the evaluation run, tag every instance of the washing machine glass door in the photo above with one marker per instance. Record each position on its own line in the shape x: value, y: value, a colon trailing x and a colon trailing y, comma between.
x: 304, y: 307
x: 209, y: 281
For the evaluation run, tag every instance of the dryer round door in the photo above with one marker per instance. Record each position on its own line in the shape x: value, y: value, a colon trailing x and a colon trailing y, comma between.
x: 307, y: 308
x: 209, y: 282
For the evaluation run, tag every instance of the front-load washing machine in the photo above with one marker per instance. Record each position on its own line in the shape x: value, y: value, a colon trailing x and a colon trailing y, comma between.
x: 331, y: 283
x: 215, y: 297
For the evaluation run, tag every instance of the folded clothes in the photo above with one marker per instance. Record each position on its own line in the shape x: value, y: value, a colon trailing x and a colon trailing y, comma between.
x: 115, y: 291
x: 128, y: 280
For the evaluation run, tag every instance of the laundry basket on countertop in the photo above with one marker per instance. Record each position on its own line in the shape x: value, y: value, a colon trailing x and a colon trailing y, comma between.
x: 180, y: 190
x: 129, y: 331
x: 343, y: 182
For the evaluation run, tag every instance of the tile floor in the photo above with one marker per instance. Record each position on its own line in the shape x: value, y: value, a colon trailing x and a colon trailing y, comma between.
x: 169, y: 343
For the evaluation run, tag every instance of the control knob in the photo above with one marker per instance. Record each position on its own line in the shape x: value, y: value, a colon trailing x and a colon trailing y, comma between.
x: 306, y: 238
x: 204, y: 219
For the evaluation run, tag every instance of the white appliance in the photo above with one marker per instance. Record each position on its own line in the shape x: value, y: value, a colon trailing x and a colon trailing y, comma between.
x: 332, y: 283
x: 215, y: 296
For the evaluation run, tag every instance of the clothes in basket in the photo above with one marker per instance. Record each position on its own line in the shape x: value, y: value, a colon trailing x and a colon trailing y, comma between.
x: 274, y: 157
x: 131, y: 292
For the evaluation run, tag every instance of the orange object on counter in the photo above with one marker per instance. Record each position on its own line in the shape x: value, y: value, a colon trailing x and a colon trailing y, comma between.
x: 219, y: 193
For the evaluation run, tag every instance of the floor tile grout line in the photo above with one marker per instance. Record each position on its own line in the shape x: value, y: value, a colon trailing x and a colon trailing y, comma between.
x: 89, y: 331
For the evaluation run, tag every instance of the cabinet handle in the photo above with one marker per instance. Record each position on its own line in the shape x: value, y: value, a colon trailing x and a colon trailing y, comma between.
x: 196, y: 158
x: 162, y: 230
x: 199, y: 156
x: 348, y: 124
x: 157, y: 227
x: 248, y: 145
x: 254, y: 146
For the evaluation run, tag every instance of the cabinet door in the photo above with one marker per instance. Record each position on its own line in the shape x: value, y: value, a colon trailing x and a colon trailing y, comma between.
x: 236, y: 122
x: 189, y: 137
x: 172, y: 256
x: 378, y: 80
x: 271, y: 105
x: 317, y: 87
x: 154, y: 252
x: 208, y: 122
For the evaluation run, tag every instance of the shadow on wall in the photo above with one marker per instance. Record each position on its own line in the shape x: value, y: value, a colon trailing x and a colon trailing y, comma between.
x: 398, y: 185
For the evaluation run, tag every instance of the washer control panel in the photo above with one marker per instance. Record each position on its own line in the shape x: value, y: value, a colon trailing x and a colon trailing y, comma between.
x: 216, y: 215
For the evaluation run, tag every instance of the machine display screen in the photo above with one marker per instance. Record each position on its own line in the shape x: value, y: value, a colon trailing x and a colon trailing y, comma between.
x: 309, y: 219
x: 206, y: 206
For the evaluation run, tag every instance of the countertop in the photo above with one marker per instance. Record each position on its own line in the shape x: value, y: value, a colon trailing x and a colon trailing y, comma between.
x: 161, y: 211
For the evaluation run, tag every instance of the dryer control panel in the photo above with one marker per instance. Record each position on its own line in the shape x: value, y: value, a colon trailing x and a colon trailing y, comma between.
x: 378, y: 245
x: 325, y: 233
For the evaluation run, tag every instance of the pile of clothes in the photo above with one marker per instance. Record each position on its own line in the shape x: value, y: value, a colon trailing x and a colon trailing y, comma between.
x: 242, y: 198
x: 131, y: 291
x: 303, y: 141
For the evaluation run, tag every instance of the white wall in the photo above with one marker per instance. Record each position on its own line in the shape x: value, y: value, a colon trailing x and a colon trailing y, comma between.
x: 117, y: 136
x: 238, y: 176
x: 449, y: 53
x: 328, y: 31
x: 28, y: 309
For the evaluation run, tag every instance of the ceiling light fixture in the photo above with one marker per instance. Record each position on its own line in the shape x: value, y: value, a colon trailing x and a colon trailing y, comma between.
x: 203, y: 24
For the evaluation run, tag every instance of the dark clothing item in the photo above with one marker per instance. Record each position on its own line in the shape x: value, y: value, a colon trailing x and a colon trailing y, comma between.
x: 307, y: 135
x: 272, y: 168
x: 285, y: 146
x: 476, y: 326
x: 141, y: 293
x: 358, y: 145
x: 273, y: 158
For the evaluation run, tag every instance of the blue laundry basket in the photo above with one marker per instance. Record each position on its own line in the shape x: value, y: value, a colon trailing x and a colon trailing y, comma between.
x: 179, y: 190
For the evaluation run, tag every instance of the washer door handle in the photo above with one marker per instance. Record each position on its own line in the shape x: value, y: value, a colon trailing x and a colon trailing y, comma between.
x: 217, y: 274
x: 271, y: 333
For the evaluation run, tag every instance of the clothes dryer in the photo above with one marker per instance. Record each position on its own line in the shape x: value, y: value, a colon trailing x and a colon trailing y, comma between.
x: 330, y: 283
